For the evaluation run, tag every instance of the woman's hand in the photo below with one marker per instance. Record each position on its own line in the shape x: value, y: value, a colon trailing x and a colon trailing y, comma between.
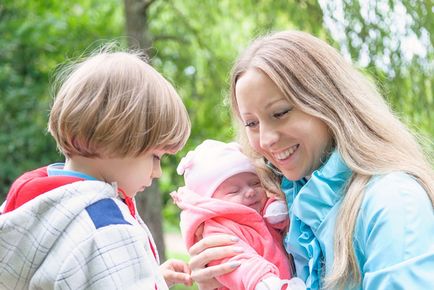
x: 208, y: 249
x: 175, y: 272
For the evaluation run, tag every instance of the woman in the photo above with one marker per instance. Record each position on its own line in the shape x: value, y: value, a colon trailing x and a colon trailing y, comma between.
x: 360, y: 190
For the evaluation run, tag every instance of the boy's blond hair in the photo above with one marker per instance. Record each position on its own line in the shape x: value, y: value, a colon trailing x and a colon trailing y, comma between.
x: 114, y: 104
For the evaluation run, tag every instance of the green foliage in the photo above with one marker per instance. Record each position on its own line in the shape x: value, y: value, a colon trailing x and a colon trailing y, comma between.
x: 36, y: 37
x: 194, y: 45
x: 393, y: 42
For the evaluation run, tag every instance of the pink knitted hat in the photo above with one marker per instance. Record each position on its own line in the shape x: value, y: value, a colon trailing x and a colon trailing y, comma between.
x: 211, y: 163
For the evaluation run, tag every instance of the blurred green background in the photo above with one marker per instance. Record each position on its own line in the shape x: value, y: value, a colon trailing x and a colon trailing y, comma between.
x: 193, y: 44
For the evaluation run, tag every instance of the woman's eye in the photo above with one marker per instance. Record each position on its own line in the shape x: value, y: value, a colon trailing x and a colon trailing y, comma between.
x: 250, y: 124
x: 281, y: 114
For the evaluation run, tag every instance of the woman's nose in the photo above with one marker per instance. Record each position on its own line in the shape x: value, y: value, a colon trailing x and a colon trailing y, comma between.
x: 268, y: 137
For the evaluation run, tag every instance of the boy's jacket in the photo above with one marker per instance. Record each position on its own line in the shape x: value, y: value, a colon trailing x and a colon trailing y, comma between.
x: 77, y: 236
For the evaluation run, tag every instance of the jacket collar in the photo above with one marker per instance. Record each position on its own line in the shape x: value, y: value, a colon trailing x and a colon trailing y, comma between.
x: 311, y: 200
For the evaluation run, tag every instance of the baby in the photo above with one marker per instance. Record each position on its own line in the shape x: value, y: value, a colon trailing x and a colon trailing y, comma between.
x: 223, y: 193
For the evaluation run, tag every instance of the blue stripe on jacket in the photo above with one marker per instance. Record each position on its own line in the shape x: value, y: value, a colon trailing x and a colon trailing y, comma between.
x: 105, y: 212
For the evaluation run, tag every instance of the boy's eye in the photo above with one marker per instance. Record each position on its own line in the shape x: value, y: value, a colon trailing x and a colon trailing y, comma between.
x: 156, y: 157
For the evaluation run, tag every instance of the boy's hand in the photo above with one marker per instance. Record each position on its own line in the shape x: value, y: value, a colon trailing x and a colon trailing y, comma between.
x: 175, y: 272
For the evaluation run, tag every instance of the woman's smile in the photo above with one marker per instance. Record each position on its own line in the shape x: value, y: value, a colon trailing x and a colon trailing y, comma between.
x: 294, y: 141
x: 284, y: 155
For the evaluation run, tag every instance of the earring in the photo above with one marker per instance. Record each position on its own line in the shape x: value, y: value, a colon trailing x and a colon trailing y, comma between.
x: 273, y: 168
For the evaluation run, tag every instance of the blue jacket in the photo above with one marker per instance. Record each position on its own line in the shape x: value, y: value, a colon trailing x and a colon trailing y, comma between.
x: 394, y: 232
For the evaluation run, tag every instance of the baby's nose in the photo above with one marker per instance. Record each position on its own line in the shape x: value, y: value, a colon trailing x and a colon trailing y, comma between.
x: 250, y: 192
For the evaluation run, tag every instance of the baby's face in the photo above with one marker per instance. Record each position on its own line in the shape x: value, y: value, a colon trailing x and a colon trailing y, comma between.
x: 243, y: 188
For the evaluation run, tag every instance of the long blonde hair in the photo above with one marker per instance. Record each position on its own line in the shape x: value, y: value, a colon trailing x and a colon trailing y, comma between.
x: 114, y: 104
x: 371, y: 140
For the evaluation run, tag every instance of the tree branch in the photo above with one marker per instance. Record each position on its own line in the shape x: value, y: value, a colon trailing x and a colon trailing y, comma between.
x: 148, y: 3
x: 190, y: 27
x: 161, y: 37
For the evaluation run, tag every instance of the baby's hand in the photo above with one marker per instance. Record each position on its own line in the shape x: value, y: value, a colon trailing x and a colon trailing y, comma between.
x: 276, y: 213
x: 295, y: 284
x: 176, y: 272
x: 275, y: 283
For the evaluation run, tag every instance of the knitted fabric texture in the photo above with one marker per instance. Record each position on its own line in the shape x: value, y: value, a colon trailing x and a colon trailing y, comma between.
x: 210, y: 164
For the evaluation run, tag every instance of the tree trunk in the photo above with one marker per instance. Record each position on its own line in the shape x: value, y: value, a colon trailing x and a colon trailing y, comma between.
x: 137, y: 23
x: 149, y: 208
x: 149, y: 203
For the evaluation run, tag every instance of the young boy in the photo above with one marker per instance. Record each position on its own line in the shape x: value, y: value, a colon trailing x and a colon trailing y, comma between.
x: 223, y: 193
x: 74, y: 225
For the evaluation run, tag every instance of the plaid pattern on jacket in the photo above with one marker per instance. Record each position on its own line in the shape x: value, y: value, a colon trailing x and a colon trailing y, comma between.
x: 78, y: 236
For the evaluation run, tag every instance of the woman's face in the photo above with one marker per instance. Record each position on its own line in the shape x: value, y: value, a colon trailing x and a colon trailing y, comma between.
x: 295, y: 142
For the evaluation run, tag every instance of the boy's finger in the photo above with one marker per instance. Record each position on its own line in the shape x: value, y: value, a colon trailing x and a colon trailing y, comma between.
x: 177, y: 277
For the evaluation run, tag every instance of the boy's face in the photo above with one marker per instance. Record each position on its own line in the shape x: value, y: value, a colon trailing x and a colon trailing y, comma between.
x: 243, y: 188
x: 134, y: 174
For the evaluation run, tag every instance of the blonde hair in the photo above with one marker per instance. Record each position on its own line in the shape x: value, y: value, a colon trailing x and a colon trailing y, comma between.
x: 114, y: 104
x: 371, y: 140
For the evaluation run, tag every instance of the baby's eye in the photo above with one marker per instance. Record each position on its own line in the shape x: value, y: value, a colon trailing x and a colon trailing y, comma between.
x: 233, y: 190
x: 255, y: 184
x: 230, y: 193
x: 280, y: 114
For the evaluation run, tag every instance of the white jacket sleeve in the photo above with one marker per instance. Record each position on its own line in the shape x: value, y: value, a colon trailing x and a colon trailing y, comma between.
x: 117, y: 257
